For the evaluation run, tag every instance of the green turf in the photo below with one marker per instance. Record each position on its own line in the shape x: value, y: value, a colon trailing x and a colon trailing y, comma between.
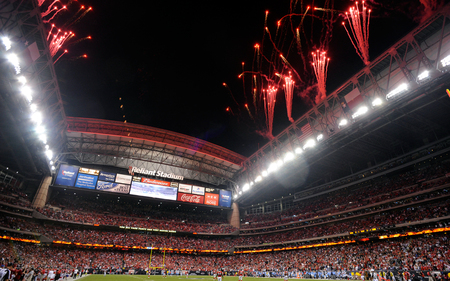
x: 100, y: 277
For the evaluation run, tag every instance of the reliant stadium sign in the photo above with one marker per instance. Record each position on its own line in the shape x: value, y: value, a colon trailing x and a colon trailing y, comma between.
x: 155, y: 173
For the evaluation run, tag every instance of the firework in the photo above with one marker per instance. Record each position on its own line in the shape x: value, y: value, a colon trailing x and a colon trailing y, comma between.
x: 320, y: 65
x: 65, y: 52
x: 289, y: 94
x: 270, y: 96
x: 358, y: 21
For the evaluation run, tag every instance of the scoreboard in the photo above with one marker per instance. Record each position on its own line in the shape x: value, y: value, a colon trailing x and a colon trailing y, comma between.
x: 86, y: 178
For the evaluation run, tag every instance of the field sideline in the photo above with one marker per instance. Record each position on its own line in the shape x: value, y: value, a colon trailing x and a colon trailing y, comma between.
x: 100, y: 277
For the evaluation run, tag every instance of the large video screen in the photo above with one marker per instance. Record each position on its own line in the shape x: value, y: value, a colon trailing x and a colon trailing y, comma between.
x: 153, y: 191
x: 87, y: 178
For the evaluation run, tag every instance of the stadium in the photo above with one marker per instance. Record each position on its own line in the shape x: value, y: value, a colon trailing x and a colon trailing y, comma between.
x: 356, y: 188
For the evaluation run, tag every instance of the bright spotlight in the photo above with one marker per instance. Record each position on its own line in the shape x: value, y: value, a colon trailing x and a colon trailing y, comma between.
x: 246, y: 187
x: 298, y: 150
x: 309, y: 144
x: 37, y: 118
x: 235, y: 196
x: 40, y: 129
x: 22, y: 80
x: 49, y: 154
x: 258, y: 179
x: 14, y: 60
x: 264, y: 173
x: 53, y: 168
x: 26, y: 92
x: 320, y: 137
x: 43, y: 138
x: 423, y: 75
x: 445, y: 61
x: 342, y: 123
x: 399, y: 90
x: 288, y: 157
x: 6, y: 42
x: 274, y: 166
x: 33, y: 107
x: 362, y: 110
x: 377, y: 102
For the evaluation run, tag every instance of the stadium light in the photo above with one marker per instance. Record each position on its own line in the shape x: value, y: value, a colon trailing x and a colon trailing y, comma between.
x: 445, y: 61
x: 37, y: 117
x: 6, y: 42
x: 49, y: 154
x: 22, y: 80
x: 298, y: 150
x: 424, y: 75
x: 320, y: 137
x: 377, y: 102
x: 264, y: 173
x: 309, y: 144
x: 246, y: 187
x: 342, y: 123
x: 26, y: 92
x: 258, y: 179
x: 14, y: 60
x: 399, y: 90
x: 235, y: 196
x: 288, y: 157
x: 40, y: 129
x: 361, y: 111
x: 43, y: 138
x: 33, y: 107
x: 275, y: 166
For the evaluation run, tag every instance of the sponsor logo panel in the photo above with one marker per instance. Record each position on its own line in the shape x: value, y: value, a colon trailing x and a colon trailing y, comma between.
x: 126, y: 179
x: 89, y: 171
x: 212, y: 199
x: 225, y: 198
x: 105, y: 176
x: 66, y: 175
x: 86, y: 181
x: 185, y: 188
x: 156, y: 182
x: 198, y: 190
x: 113, y: 187
x: 190, y: 198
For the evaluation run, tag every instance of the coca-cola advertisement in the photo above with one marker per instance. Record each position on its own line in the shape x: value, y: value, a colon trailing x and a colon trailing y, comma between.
x: 190, y: 198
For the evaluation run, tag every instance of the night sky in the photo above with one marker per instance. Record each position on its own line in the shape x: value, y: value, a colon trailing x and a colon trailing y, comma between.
x: 167, y: 61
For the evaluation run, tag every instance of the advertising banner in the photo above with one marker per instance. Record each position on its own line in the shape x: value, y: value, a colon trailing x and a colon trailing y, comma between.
x: 126, y: 179
x: 136, y: 178
x: 225, y: 198
x: 212, y: 199
x: 190, y: 198
x: 105, y: 176
x: 66, y: 175
x: 86, y: 181
x: 212, y: 190
x: 156, y: 182
x: 113, y: 187
x: 185, y: 188
x: 198, y: 190
x: 89, y: 171
x: 154, y: 191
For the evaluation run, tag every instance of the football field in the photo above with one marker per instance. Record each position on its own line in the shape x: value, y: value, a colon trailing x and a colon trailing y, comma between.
x: 100, y: 277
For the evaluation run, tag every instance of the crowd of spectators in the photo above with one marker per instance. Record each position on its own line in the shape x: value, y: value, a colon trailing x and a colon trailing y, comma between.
x: 424, y: 253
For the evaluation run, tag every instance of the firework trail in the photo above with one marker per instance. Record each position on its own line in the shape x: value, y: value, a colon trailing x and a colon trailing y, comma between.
x: 65, y: 52
x: 79, y: 40
x: 54, y: 15
x: 358, y: 21
x: 49, y: 9
x: 81, y: 16
x: 289, y: 94
x: 320, y: 65
x: 270, y: 96
x: 58, y: 40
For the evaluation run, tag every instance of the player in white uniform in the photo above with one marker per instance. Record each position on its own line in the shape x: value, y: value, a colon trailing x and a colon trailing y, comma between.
x: 219, y: 275
x: 286, y: 276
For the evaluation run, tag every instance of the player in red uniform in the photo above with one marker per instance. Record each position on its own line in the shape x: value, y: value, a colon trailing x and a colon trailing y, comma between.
x: 219, y: 275
x: 241, y: 275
